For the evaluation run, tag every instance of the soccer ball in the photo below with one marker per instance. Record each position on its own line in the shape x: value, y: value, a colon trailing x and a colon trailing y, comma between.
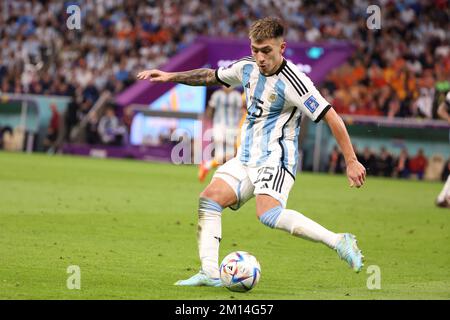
x: 240, y: 271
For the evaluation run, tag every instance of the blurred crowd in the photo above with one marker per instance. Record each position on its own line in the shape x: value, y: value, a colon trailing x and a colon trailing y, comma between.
x: 385, y: 164
x: 401, y: 70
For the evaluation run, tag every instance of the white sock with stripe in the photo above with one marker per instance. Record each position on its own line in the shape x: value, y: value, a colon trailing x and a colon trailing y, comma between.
x: 298, y: 225
x: 209, y: 234
x: 445, y: 191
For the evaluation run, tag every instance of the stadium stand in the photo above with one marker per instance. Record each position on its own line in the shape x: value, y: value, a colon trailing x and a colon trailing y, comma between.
x: 407, y: 75
x: 401, y: 70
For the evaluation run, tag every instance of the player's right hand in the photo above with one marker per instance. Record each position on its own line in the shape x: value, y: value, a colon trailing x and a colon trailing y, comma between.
x: 153, y: 75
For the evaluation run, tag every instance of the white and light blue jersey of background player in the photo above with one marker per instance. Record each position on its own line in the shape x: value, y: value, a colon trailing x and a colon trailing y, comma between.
x: 227, y: 108
x: 275, y: 105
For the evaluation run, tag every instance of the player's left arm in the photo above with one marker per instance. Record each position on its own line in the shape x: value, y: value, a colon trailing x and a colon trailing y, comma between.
x: 356, y: 172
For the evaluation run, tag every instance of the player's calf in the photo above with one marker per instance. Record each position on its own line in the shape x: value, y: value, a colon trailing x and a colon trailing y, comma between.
x: 301, y: 226
x: 298, y: 225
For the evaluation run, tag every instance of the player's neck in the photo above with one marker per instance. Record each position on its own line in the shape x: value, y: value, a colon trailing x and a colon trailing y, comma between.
x: 277, y: 69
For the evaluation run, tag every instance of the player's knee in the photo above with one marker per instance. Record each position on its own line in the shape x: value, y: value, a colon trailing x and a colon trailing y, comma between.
x: 207, y: 193
x: 213, y: 194
x: 218, y: 195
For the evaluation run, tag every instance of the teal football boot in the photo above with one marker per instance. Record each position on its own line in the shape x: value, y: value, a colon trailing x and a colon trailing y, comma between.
x: 348, y: 250
x: 200, y: 279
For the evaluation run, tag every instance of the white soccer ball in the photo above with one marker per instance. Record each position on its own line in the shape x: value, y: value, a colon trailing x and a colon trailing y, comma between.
x: 240, y: 271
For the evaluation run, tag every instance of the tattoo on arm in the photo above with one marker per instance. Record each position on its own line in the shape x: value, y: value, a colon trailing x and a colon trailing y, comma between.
x: 197, y: 77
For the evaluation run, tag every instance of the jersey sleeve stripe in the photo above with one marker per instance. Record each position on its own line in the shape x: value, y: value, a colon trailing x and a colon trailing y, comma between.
x: 322, y: 114
x: 294, y: 84
x: 216, y: 73
x: 290, y: 71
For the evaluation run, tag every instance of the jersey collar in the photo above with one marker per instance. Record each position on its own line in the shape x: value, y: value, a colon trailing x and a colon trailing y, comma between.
x: 283, y: 64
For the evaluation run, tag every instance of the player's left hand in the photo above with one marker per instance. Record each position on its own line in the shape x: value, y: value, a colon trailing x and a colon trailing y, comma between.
x: 356, y: 173
x: 154, y: 75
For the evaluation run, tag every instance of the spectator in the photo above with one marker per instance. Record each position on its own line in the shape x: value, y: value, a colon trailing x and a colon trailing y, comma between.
x: 418, y: 164
x: 52, y: 130
x: 423, y: 106
x: 394, y: 107
x: 109, y: 129
x: 92, y: 136
x: 444, y: 108
x: 401, y: 169
x: 70, y: 116
x: 335, y: 161
x: 54, y: 120
x: 390, y: 67
x: 384, y: 163
x: 5, y: 134
x: 368, y: 160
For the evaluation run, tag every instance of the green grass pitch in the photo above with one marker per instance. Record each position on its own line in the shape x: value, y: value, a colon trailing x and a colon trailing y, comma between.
x: 131, y: 228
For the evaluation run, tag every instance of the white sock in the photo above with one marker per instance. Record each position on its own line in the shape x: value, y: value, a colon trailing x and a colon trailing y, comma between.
x: 209, y: 234
x: 445, y: 191
x: 297, y: 224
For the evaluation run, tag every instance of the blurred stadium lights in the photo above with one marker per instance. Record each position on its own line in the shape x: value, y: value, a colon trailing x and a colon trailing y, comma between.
x: 315, y: 52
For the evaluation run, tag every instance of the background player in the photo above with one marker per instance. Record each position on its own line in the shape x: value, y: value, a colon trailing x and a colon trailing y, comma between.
x: 225, y: 110
x: 443, y: 199
x: 278, y: 94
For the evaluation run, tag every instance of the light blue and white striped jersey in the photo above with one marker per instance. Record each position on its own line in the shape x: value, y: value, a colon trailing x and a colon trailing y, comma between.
x: 275, y: 105
x: 227, y: 108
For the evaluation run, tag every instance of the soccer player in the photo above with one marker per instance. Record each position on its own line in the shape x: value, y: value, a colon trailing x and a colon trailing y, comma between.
x: 443, y: 199
x: 278, y: 95
x: 225, y: 107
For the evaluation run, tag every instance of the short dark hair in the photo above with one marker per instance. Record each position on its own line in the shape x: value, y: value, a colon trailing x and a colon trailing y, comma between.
x: 266, y: 28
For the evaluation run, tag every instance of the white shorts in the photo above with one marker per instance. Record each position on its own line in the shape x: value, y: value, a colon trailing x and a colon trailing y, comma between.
x: 247, y: 182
